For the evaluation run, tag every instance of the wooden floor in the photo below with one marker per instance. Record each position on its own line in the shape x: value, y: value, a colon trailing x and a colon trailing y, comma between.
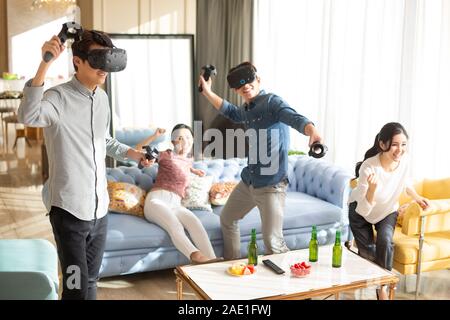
x: 22, y: 215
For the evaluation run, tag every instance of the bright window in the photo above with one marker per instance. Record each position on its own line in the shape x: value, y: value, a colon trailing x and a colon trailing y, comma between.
x: 351, y: 66
x: 26, y: 52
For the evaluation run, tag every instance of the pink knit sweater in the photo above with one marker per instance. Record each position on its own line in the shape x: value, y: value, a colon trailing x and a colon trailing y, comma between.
x: 173, y: 173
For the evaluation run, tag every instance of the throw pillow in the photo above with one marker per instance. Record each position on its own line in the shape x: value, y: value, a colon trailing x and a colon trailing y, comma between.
x: 126, y: 198
x: 197, y: 193
x: 220, y: 192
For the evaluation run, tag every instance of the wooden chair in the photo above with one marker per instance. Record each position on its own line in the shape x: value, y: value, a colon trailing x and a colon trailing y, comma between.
x: 21, y: 133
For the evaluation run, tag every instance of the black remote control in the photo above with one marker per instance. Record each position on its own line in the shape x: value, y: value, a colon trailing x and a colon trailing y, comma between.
x: 273, y: 266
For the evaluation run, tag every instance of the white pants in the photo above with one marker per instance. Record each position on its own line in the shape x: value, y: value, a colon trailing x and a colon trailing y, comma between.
x: 164, y: 209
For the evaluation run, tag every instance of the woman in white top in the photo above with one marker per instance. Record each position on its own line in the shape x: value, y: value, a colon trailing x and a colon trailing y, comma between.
x: 382, y: 176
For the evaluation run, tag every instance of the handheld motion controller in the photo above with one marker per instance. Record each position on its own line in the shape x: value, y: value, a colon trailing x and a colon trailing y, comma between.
x: 208, y: 71
x: 69, y: 30
x: 317, y: 150
x: 150, y: 154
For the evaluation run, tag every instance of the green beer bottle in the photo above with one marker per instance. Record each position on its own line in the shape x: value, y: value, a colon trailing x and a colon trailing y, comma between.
x: 313, y: 246
x: 337, y: 251
x: 253, y: 250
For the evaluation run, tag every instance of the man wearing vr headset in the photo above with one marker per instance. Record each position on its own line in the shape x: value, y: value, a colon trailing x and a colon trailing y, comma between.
x: 75, y: 117
x: 261, y: 111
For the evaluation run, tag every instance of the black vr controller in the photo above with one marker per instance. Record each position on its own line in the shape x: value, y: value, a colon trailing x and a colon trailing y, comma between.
x: 69, y: 30
x: 241, y: 76
x: 317, y: 150
x: 208, y: 71
x: 151, y: 153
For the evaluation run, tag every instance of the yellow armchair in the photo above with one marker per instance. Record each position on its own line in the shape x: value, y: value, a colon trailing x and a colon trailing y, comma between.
x: 422, y: 238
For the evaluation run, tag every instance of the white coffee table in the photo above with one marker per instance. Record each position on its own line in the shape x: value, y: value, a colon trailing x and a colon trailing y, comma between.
x: 211, y: 281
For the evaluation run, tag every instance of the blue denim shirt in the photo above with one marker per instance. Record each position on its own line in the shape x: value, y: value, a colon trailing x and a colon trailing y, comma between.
x: 269, y: 112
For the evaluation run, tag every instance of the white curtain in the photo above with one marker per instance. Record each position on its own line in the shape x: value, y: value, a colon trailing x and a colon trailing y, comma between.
x: 352, y: 65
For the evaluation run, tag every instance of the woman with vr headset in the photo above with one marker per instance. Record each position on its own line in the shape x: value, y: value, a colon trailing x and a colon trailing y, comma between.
x: 382, y: 176
x: 163, y: 202
x: 263, y: 185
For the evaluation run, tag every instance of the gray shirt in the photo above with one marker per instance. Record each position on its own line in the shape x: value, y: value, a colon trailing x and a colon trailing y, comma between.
x: 76, y: 131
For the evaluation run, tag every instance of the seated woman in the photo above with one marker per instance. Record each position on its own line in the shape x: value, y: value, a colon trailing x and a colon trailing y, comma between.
x: 382, y: 176
x: 163, y: 202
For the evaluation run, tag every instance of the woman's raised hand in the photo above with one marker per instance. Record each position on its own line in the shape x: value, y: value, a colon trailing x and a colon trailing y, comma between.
x: 159, y: 132
x: 372, y: 180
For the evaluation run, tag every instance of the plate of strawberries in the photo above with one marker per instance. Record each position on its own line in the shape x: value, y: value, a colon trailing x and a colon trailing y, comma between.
x: 300, y: 269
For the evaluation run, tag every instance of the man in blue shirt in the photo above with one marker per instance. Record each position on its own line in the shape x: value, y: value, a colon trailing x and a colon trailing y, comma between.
x: 263, y: 184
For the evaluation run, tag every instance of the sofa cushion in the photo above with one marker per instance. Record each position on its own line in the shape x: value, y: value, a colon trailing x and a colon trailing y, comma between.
x: 220, y: 192
x: 197, y: 193
x: 126, y: 198
x: 128, y: 232
x: 301, y: 211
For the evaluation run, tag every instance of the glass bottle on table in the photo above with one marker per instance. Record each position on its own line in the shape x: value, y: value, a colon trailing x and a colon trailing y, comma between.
x: 337, y: 251
x: 253, y: 249
x: 313, y: 246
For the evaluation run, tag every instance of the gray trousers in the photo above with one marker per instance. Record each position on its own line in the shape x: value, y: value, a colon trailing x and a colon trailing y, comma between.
x: 270, y: 202
x: 380, y: 251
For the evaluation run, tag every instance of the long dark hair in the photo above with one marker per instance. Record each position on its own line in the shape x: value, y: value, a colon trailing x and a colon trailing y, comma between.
x: 385, y: 135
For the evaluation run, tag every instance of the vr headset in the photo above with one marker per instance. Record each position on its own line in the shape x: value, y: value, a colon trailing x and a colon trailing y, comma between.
x: 108, y: 60
x: 241, y: 76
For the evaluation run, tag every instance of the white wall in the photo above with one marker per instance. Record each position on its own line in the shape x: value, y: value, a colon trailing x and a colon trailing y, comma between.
x: 145, y: 16
x: 28, y: 29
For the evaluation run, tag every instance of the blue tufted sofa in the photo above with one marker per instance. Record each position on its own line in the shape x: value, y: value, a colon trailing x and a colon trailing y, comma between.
x: 317, y: 195
x: 132, y: 136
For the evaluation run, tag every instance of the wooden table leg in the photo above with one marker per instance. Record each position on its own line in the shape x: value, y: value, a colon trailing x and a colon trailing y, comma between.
x: 392, y: 288
x: 336, y: 296
x: 179, y: 288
